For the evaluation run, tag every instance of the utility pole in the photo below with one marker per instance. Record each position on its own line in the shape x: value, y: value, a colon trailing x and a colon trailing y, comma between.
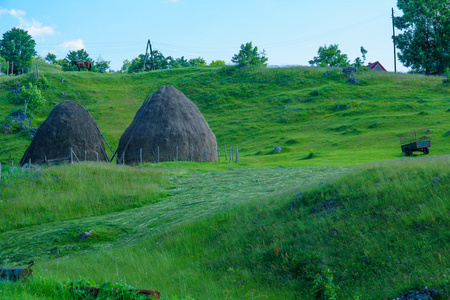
x: 393, y: 35
x: 149, y: 46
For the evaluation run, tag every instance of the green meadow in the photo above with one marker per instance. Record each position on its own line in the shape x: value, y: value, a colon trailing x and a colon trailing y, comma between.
x: 339, y: 213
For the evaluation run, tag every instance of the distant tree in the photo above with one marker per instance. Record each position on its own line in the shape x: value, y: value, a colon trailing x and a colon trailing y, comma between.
x: 63, y: 63
x: 424, y: 40
x: 359, y: 62
x: 125, y: 66
x: 197, y: 62
x: 217, y: 63
x: 32, y: 99
x: 51, y: 58
x: 3, y: 65
x: 249, y: 56
x: 330, y: 57
x: 102, y: 65
x: 159, y: 62
x: 177, y: 62
x: 17, y: 46
x: 76, y: 55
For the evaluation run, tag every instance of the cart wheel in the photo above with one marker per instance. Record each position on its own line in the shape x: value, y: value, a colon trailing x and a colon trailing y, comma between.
x: 408, y: 152
x: 426, y: 151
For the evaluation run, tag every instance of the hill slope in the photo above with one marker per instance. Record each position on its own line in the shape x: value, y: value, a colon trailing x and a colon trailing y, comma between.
x: 298, y: 109
x: 374, y: 234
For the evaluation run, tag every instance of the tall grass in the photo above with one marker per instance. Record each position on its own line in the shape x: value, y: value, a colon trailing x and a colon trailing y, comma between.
x: 65, y: 192
x: 385, y: 232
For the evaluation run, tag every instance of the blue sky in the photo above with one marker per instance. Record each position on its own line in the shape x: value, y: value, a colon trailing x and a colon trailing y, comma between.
x: 290, y: 31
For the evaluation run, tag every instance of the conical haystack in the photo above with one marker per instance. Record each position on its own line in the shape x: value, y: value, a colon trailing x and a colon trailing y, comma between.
x: 69, y: 125
x: 168, y: 127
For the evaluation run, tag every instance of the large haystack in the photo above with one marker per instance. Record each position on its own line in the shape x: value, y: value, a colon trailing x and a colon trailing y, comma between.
x: 171, y: 123
x: 69, y: 125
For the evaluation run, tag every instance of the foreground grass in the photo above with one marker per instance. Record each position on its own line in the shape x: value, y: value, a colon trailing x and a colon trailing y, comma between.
x: 66, y: 192
x: 385, y: 232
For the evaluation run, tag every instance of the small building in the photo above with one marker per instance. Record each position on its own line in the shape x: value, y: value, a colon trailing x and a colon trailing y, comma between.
x: 376, y: 66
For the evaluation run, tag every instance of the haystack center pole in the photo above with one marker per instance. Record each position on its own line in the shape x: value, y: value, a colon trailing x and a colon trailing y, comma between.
x: 110, y: 148
x: 149, y: 98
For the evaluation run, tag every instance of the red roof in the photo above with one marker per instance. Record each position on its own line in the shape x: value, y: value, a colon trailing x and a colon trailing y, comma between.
x: 377, y: 66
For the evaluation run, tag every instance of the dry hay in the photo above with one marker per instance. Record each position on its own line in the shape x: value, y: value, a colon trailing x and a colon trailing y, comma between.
x: 170, y: 122
x: 68, y: 125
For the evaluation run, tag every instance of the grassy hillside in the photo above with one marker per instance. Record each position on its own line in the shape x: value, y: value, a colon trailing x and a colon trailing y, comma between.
x: 340, y: 213
x: 373, y: 234
x: 298, y: 109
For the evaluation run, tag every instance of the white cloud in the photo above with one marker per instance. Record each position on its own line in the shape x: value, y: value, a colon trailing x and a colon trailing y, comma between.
x: 34, y: 28
x: 37, y: 29
x: 17, y: 13
x: 73, y: 45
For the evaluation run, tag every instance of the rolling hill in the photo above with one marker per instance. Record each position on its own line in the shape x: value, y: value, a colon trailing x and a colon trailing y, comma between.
x: 339, y: 213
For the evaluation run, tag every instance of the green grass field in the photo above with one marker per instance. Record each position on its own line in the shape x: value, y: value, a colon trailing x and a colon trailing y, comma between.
x: 340, y: 212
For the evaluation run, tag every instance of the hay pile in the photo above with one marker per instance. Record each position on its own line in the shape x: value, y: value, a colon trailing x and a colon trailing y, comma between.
x: 168, y: 121
x: 69, y: 125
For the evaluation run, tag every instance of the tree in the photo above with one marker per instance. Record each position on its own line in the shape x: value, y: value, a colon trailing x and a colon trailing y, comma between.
x: 197, y: 62
x: 17, y: 46
x: 330, y: 57
x: 159, y: 62
x: 63, y: 63
x: 32, y: 100
x: 359, y: 62
x: 424, y: 40
x: 102, y: 65
x: 2, y: 65
x: 217, y: 63
x: 249, y: 56
x: 51, y: 58
x: 125, y: 66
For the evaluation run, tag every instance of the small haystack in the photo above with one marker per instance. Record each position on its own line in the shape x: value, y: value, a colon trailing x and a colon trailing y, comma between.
x: 69, y: 125
x: 168, y: 127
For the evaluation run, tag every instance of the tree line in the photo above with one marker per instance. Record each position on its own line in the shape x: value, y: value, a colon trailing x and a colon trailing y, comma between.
x: 423, y: 44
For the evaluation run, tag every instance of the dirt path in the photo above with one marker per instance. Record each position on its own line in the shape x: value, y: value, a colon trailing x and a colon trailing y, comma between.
x: 197, y: 194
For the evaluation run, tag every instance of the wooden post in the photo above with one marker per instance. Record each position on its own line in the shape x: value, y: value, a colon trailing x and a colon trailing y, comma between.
x: 225, y: 147
x: 12, y: 68
x: 231, y: 156
x: 97, y: 155
x: 71, y: 156
x: 158, y: 154
x: 140, y: 155
x: 84, y: 155
x: 237, y: 154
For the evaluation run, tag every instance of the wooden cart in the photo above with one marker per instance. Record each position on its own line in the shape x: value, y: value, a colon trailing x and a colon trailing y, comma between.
x: 416, y: 140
